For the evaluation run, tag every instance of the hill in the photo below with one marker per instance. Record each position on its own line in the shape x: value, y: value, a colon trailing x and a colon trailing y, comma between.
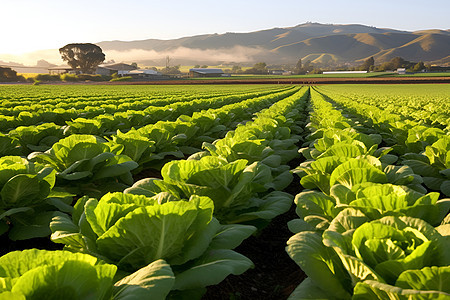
x: 320, y: 43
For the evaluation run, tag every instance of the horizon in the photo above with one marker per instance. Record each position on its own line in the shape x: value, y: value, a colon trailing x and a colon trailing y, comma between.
x: 48, y: 26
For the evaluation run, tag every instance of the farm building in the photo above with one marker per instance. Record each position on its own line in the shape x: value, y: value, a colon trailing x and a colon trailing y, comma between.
x: 113, y: 68
x: 279, y: 72
x: 138, y: 74
x: 60, y: 70
x: 202, y: 72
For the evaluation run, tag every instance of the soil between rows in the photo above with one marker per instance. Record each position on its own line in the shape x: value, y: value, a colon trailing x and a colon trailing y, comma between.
x: 275, y: 275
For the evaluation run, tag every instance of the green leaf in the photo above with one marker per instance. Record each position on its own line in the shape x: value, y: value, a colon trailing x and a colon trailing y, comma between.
x: 272, y: 205
x: 426, y: 279
x: 374, y: 290
x: 37, y: 225
x: 231, y: 236
x: 153, y: 232
x: 23, y: 190
x: 151, y: 282
x: 13, y: 211
x: 314, y: 203
x: 146, y: 187
x: 211, y: 268
x: 308, y: 290
x: 320, y: 263
x: 355, y: 171
x: 317, y: 180
x: 445, y: 188
x: 72, y: 280
x: 12, y: 296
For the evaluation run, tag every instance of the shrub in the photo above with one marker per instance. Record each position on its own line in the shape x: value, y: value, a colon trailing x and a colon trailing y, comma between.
x: 69, y: 77
x: 84, y: 77
x: 9, y: 75
x: 125, y: 78
x: 47, y: 77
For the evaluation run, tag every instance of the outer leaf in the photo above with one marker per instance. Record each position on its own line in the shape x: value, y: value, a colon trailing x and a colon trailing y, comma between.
x: 374, y: 290
x: 308, y: 290
x: 151, y: 282
x: 320, y: 263
x: 430, y: 278
x: 231, y: 236
x: 211, y: 268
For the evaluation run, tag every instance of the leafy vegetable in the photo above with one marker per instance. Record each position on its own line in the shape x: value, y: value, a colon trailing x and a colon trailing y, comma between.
x: 132, y: 231
x: 42, y: 274
x: 27, y: 202
x: 88, y: 160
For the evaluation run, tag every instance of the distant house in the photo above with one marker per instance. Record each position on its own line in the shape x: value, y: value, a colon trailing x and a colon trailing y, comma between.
x: 60, y: 70
x: 108, y: 70
x: 401, y: 71
x: 276, y: 72
x: 202, y: 72
x: 279, y: 72
x: 142, y: 74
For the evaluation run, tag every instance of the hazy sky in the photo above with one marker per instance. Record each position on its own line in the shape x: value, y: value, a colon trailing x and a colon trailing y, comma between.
x: 29, y: 25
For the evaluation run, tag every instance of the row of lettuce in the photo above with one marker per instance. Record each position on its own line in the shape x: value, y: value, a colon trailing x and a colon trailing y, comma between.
x: 426, y: 103
x: 23, y: 140
x: 90, y: 165
x: 367, y: 227
x: 72, y: 111
x: 422, y: 147
x: 166, y: 237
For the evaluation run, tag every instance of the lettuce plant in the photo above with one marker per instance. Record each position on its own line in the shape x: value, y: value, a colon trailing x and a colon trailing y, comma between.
x: 386, y: 247
x: 233, y: 187
x: 355, y: 252
x: 426, y: 283
x: 433, y: 165
x: 41, y: 274
x: 9, y: 145
x: 89, y: 163
x: 132, y: 231
x: 37, y: 138
x: 317, y: 210
x: 27, y: 202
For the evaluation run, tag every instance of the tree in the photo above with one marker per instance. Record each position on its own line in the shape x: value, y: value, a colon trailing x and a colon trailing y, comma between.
x: 9, y: 75
x: 261, y: 66
x: 135, y: 65
x: 419, y: 67
x: 398, y: 62
x: 368, y: 64
x: 85, y: 57
x: 236, y: 69
x: 307, y: 67
x: 298, y: 67
x: 171, y: 70
x: 258, y: 68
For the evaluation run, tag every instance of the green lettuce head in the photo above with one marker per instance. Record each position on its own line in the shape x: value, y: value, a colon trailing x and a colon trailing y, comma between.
x: 41, y: 274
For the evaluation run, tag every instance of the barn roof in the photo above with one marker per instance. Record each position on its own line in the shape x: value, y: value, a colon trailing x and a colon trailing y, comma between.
x: 206, y: 71
x: 118, y: 67
x: 60, y: 68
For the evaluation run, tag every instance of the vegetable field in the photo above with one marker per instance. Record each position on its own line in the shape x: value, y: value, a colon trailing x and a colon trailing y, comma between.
x: 147, y: 192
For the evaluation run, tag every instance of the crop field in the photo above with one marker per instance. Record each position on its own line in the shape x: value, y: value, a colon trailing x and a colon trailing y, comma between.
x: 225, y: 192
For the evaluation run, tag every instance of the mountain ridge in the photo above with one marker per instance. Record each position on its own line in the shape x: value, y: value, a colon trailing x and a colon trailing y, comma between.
x: 336, y: 43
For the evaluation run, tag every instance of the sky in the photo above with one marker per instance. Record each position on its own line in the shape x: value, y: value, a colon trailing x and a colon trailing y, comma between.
x: 50, y: 24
